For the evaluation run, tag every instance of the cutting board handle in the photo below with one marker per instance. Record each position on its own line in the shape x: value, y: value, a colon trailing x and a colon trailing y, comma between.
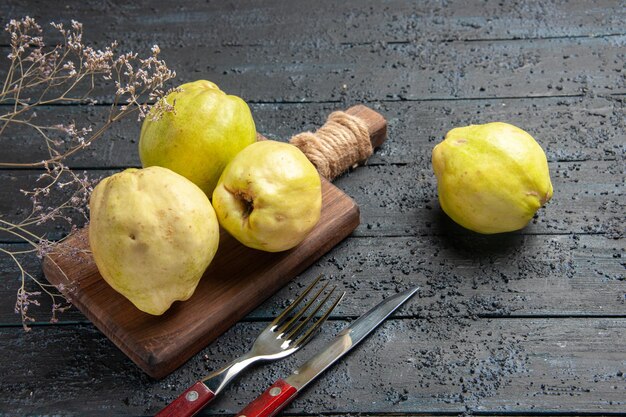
x: 376, y: 123
x: 346, y: 140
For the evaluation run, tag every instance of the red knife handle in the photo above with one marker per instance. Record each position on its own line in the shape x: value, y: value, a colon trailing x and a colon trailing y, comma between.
x: 189, y: 402
x: 274, y: 399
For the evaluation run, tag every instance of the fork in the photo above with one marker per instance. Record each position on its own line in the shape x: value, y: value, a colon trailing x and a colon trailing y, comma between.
x: 282, y: 337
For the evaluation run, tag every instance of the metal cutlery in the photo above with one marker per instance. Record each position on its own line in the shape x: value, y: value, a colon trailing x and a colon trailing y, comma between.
x: 276, y: 397
x: 289, y: 331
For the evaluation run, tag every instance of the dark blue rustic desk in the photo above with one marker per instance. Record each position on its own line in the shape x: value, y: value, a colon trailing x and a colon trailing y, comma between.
x: 526, y: 323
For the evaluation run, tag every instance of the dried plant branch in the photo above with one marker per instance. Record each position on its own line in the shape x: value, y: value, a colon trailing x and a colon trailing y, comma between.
x: 67, y: 73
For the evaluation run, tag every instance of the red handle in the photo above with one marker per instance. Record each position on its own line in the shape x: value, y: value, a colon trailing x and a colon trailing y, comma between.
x: 189, y: 402
x: 268, y: 404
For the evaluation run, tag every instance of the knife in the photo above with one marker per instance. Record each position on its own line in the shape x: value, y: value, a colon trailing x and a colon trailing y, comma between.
x: 276, y: 397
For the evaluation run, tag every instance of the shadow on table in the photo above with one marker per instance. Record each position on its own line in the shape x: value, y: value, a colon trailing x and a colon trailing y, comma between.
x: 464, y: 241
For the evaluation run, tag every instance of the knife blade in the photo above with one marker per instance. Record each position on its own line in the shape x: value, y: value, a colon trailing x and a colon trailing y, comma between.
x: 283, y: 391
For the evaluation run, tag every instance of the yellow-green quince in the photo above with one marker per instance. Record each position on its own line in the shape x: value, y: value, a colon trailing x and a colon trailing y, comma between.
x: 152, y: 234
x: 491, y: 178
x: 201, y: 134
x: 269, y: 197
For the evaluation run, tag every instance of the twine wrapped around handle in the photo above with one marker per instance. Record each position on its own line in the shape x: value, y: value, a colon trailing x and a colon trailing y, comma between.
x: 343, y: 142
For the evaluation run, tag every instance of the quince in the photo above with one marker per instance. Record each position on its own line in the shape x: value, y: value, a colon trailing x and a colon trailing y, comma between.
x: 152, y: 234
x: 491, y: 178
x: 205, y: 130
x: 269, y: 197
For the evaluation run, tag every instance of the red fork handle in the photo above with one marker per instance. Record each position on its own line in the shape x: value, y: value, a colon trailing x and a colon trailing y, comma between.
x: 268, y: 404
x: 189, y: 402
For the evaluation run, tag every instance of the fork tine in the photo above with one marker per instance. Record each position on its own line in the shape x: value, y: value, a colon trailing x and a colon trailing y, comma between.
x: 309, y: 333
x: 297, y: 329
x: 278, y: 320
x: 289, y: 324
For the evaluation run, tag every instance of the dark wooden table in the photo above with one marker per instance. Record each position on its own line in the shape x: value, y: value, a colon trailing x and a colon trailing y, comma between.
x: 532, y: 322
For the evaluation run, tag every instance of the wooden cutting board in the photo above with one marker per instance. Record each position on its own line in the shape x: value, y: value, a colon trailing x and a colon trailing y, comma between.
x: 236, y: 282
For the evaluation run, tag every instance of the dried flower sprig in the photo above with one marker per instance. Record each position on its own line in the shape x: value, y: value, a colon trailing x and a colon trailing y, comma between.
x: 39, y: 75
x: 67, y: 74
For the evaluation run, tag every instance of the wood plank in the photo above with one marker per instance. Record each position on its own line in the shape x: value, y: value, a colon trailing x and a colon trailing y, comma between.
x: 402, y: 71
x: 254, y: 23
x: 569, y: 128
x: 412, y: 71
x: 460, y: 277
x: 502, y: 366
x: 401, y: 200
x: 588, y: 198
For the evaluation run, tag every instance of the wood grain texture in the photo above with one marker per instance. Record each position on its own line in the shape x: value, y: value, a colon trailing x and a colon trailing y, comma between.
x: 409, y: 366
x: 413, y: 71
x: 497, y: 60
x: 575, y: 128
x: 460, y: 276
x: 224, y: 23
x: 399, y: 71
